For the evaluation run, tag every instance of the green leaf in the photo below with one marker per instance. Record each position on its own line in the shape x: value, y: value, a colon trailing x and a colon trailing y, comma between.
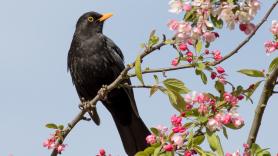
x: 175, y: 85
x: 191, y: 15
x: 225, y: 132
x: 273, y: 65
x: 263, y: 152
x: 231, y: 126
x: 199, y: 46
x: 198, y: 140
x: 153, y: 90
x: 204, y: 78
x: 149, y: 150
x: 201, y: 66
x: 250, y: 92
x: 61, y: 127
x: 141, y: 153
x: 155, y: 131
x: 218, y: 23
x: 255, y: 148
x: 199, y: 150
x: 157, y: 151
x: 202, y: 119
x: 219, y: 87
x: 252, y: 72
x: 51, y: 125
x: 214, y: 143
x: 176, y: 100
x: 138, y: 69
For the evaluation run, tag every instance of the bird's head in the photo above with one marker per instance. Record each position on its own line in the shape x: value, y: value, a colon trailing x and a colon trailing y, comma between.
x: 91, y: 22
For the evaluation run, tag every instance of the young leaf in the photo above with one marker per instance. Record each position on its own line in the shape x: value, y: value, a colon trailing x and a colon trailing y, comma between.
x: 198, y: 140
x: 51, y: 125
x: 157, y: 151
x: 255, y: 148
x: 156, y: 79
x: 199, y: 150
x: 250, y: 92
x: 219, y: 87
x: 61, y: 127
x: 225, y: 132
x: 252, y: 72
x: 273, y: 65
x: 141, y: 153
x: 199, y: 46
x: 149, y: 150
x: 175, y: 86
x: 155, y: 131
x: 153, y: 90
x: 214, y: 143
x: 218, y: 23
x: 138, y: 69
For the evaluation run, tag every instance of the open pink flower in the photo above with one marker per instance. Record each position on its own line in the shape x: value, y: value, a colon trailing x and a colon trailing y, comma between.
x: 270, y: 47
x: 151, y: 139
x: 274, y: 27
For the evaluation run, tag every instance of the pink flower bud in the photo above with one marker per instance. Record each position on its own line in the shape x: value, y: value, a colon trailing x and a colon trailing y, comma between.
x: 151, y: 139
x: 213, y: 75
x: 102, y: 152
x: 168, y: 147
x: 182, y: 47
x: 220, y: 70
x: 175, y: 62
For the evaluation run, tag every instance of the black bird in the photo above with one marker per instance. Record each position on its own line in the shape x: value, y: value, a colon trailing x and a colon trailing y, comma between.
x: 95, y: 60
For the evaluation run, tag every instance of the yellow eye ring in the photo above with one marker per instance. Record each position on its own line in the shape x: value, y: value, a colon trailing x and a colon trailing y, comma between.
x: 90, y: 19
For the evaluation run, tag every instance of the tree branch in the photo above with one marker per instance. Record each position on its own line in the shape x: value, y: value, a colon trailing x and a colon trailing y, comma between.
x: 266, y: 94
x: 110, y: 87
x: 230, y: 54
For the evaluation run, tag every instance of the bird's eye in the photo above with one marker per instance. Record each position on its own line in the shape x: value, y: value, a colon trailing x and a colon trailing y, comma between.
x: 90, y: 19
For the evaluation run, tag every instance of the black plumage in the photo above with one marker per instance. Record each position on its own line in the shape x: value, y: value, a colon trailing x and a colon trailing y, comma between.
x: 95, y: 60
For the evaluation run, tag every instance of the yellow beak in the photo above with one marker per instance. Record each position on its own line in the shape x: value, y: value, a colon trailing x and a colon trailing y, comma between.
x: 105, y: 17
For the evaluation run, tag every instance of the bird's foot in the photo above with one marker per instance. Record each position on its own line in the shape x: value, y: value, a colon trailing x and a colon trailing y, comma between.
x: 102, y: 93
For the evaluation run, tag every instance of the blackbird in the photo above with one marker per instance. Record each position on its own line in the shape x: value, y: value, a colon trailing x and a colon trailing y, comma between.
x: 95, y: 60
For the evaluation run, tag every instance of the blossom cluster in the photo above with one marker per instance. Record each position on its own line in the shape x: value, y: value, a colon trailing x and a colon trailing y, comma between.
x: 225, y: 118
x: 271, y: 46
x: 51, y: 143
x: 201, y: 16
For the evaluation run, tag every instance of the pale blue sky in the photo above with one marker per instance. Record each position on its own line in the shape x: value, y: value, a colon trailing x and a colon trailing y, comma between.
x: 36, y: 89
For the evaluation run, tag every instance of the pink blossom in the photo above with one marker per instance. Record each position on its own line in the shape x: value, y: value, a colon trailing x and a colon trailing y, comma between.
x: 203, y: 109
x: 247, y: 28
x: 162, y: 129
x: 246, y: 146
x: 238, y: 122
x: 177, y: 139
x: 187, y: 7
x: 188, y: 153
x: 226, y: 119
x: 217, y: 55
x: 175, y: 61
x: 60, y: 148
x: 176, y: 121
x: 270, y: 47
x: 168, y: 147
x: 176, y: 6
x: 151, y: 139
x: 213, y: 75
x: 182, y: 47
x: 209, y: 36
x: 178, y: 129
x: 213, y: 125
x: 173, y: 25
x: 102, y: 152
x: 274, y: 27
x: 220, y: 70
x: 49, y: 143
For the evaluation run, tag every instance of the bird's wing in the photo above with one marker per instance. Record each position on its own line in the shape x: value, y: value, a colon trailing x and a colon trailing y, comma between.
x: 118, y: 67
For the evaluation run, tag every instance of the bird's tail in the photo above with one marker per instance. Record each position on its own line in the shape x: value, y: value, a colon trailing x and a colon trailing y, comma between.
x: 133, y: 135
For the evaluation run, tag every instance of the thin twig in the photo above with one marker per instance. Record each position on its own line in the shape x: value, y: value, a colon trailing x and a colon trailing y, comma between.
x: 110, y: 87
x: 266, y: 94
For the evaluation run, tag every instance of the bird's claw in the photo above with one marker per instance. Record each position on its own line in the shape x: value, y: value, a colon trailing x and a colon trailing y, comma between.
x: 102, y: 93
